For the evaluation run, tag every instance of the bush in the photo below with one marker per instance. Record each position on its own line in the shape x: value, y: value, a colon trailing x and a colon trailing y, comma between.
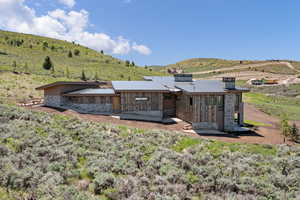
x: 103, y: 182
x: 76, y: 52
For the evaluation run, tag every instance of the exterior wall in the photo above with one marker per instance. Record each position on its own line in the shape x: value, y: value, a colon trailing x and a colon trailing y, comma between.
x: 152, y: 107
x: 89, y: 104
x: 229, y: 111
x: 207, y: 109
x: 184, y: 110
x: 52, y: 100
x: 241, y: 113
x: 169, y: 105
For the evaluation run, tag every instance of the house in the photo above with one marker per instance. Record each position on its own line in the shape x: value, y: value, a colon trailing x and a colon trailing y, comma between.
x: 206, y: 104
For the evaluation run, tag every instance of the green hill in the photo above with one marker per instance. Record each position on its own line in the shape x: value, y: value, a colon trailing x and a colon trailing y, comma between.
x: 30, y: 51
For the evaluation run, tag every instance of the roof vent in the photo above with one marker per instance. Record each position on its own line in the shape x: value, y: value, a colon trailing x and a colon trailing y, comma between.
x: 229, y: 83
x: 183, y: 77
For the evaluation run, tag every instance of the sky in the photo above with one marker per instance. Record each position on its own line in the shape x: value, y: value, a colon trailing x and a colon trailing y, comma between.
x: 160, y: 32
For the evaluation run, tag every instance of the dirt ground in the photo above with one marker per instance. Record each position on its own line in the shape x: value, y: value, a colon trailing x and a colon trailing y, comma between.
x: 260, y: 135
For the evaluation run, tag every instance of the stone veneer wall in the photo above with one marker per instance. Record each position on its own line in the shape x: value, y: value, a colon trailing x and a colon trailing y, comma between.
x: 241, y: 111
x: 89, y: 108
x: 229, y: 110
x: 52, y: 101
x: 205, y: 125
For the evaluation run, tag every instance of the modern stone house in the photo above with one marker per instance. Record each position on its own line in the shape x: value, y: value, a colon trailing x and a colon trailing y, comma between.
x: 206, y: 104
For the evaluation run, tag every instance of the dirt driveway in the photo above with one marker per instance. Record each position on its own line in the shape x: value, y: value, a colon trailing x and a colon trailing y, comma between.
x: 262, y: 135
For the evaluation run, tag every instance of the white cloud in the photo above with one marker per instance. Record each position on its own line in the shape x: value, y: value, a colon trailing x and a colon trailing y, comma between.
x: 69, y: 3
x: 70, y: 26
x: 142, y: 49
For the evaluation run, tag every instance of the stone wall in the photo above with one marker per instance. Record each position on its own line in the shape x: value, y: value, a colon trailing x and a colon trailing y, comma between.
x: 205, y: 125
x: 89, y: 108
x: 52, y: 101
x: 229, y: 110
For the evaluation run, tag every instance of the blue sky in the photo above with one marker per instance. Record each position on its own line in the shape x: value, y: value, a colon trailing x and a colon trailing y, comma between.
x: 168, y: 31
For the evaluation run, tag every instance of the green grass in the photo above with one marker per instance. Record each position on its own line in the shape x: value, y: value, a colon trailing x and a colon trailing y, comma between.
x: 274, y: 105
x: 255, y: 123
x: 33, y: 53
x: 185, y: 143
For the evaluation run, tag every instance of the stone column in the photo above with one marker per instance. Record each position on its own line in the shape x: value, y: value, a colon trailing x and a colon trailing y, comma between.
x: 241, y: 114
x: 229, y: 108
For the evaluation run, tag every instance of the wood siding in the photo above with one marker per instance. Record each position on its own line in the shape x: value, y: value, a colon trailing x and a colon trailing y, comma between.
x: 90, y: 100
x: 130, y: 104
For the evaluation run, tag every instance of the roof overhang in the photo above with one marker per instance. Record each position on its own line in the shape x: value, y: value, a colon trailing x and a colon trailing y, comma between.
x: 60, y: 83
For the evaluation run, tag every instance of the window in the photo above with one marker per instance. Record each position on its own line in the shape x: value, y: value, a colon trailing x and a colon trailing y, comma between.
x: 141, y: 98
x: 191, y: 101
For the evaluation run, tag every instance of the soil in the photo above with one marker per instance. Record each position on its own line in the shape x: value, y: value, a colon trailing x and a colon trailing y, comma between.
x: 258, y: 135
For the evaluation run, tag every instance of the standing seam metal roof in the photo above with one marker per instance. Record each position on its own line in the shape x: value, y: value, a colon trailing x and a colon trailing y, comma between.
x: 91, y: 91
x: 138, y: 86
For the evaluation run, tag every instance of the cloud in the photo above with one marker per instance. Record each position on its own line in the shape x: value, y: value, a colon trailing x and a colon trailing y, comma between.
x: 69, y: 3
x: 142, y: 49
x: 70, y: 26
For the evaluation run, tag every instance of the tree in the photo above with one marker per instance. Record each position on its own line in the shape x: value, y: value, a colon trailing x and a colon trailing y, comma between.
x: 45, y: 44
x: 70, y: 54
x: 47, y: 65
x: 127, y: 63
x: 295, y: 136
x: 285, y: 128
x: 132, y: 63
x: 83, y: 77
x: 102, y: 52
x: 14, y: 66
x: 76, y: 52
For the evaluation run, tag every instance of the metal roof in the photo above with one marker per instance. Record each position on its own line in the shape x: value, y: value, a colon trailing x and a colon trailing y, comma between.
x: 59, y: 83
x: 93, y: 91
x: 138, y: 86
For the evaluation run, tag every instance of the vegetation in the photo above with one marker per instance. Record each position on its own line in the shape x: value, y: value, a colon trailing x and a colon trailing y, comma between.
x: 275, y: 105
x: 46, y: 156
x: 30, y: 49
x: 255, y: 123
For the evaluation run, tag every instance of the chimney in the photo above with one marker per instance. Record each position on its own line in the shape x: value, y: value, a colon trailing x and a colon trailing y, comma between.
x: 229, y: 83
x: 183, y: 77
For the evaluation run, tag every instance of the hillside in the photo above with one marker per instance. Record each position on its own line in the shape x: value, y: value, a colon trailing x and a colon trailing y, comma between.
x: 29, y: 53
x: 203, y: 67
x: 46, y: 156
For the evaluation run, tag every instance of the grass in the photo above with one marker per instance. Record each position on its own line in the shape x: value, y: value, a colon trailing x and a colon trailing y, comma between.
x: 32, y: 53
x: 255, y: 123
x: 185, y: 143
x: 274, y: 105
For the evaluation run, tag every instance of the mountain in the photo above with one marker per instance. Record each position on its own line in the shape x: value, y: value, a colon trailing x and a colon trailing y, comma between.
x: 28, y: 52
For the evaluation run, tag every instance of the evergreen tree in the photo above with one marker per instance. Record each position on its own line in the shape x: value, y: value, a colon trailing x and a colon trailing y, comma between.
x: 295, y: 136
x: 83, y: 77
x: 47, y: 65
x: 70, y: 54
x: 285, y: 128
x: 127, y: 63
x: 76, y: 52
x: 102, y: 52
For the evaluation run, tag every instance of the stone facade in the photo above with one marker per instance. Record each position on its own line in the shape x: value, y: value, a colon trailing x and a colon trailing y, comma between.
x: 90, y: 108
x: 241, y: 112
x: 53, y: 101
x: 229, y: 110
x: 205, y: 125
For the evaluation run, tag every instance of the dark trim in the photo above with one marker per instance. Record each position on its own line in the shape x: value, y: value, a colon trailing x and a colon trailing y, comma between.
x: 88, y: 95
x: 60, y: 83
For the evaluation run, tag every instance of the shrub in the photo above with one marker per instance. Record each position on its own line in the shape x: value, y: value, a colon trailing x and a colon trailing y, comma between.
x: 76, y: 52
x: 47, y: 65
x: 103, y: 182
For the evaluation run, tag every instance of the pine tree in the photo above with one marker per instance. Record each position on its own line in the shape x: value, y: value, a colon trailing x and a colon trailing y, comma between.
x: 76, y: 52
x: 295, y: 136
x: 102, y: 52
x: 70, y: 54
x: 132, y: 63
x: 47, y: 65
x: 127, y: 63
x: 83, y: 77
x: 285, y: 128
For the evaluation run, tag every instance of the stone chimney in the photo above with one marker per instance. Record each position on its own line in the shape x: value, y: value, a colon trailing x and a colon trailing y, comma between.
x: 183, y: 77
x: 229, y: 83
